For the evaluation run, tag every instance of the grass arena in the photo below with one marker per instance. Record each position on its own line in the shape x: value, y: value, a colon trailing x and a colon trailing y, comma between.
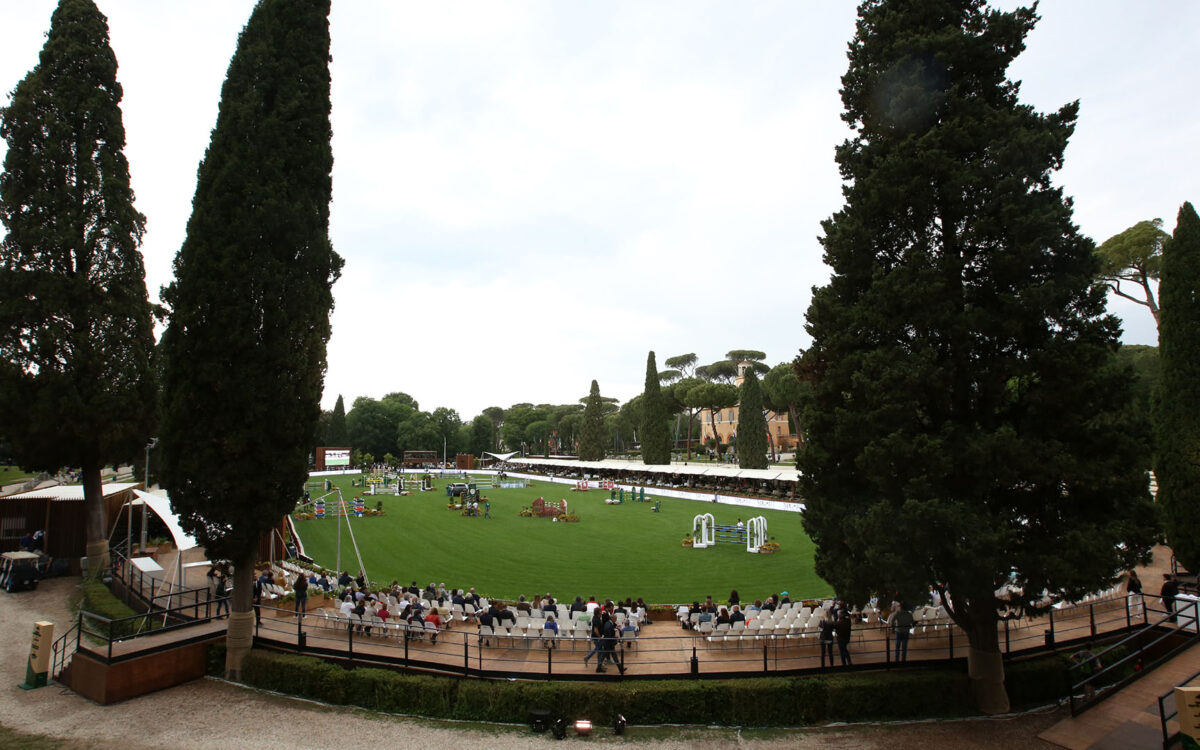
x: 611, y: 551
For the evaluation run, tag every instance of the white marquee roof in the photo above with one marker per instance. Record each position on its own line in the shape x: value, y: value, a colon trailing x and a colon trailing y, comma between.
x: 709, y: 470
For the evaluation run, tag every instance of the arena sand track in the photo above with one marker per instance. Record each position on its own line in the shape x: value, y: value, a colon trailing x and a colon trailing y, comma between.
x: 214, y: 714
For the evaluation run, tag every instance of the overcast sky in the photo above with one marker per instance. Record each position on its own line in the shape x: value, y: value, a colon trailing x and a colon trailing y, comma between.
x: 530, y: 195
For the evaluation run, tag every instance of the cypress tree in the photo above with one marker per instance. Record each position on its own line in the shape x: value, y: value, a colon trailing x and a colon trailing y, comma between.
x: 76, y: 383
x: 245, y: 347
x: 752, y: 425
x: 1178, y: 401
x: 337, y: 436
x: 591, y: 437
x: 965, y: 426
x: 654, y: 429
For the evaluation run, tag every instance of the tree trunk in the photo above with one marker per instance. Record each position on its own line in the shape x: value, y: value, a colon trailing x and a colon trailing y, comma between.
x: 239, y: 636
x: 985, y: 667
x: 97, y: 532
x: 691, y: 418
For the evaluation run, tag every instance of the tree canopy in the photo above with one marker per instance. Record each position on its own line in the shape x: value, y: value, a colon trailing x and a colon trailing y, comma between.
x: 336, y: 434
x: 76, y: 383
x: 1134, y: 257
x: 656, y: 439
x: 752, y: 425
x: 592, y: 437
x: 250, y: 303
x: 1177, y: 418
x: 966, y: 429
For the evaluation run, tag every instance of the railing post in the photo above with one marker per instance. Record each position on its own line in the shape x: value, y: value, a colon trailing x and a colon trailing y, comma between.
x: 887, y: 648
x: 1092, y: 618
x: 1050, y: 634
x: 950, y: 633
x: 350, y: 643
x: 467, y: 655
x: 1128, y: 616
x: 696, y: 662
x: 1007, y: 642
x: 765, y: 667
x: 550, y: 660
x: 405, y: 631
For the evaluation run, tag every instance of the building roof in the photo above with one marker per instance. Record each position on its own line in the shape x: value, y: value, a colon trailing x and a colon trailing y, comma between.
x: 708, y: 470
x: 67, y: 492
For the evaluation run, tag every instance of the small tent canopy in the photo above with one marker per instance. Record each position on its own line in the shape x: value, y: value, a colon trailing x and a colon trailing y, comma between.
x: 501, y: 456
x: 161, y: 505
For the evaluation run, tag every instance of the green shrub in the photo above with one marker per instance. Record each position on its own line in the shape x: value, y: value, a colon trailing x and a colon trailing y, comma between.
x: 1037, y: 681
x: 98, y: 600
x: 758, y: 701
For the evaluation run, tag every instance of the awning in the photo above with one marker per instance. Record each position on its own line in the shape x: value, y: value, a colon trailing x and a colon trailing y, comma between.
x: 161, y: 505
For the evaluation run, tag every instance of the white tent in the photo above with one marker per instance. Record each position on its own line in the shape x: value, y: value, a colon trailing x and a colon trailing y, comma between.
x: 160, y: 503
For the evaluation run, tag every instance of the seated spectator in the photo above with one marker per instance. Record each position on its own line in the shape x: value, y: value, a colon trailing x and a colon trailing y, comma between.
x: 360, y: 610
x: 736, y: 615
x: 324, y: 582
x: 437, y: 622
x: 548, y: 605
x: 710, y: 606
x: 551, y: 626
x: 756, y: 606
x: 26, y: 542
x: 474, y: 597
x: 578, y: 605
x: 344, y: 580
x: 591, y: 605
x: 523, y: 606
x: 347, y: 604
x: 722, y: 616
x: 458, y: 598
x: 505, y: 616
x: 485, y: 618
x: 382, y: 611
x: 361, y: 580
x: 705, y: 616
x: 643, y: 611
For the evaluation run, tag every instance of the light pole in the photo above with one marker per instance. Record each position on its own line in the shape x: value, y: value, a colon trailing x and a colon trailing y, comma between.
x: 145, y: 514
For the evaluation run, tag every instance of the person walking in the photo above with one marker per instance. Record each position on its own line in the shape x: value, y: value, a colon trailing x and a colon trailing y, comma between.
x: 1133, y: 587
x: 1170, y: 590
x: 597, y: 638
x: 842, y: 629
x: 221, y: 592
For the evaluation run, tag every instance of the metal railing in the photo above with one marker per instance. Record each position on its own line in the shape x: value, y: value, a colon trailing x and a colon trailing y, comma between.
x: 464, y: 650
x: 1092, y: 680
x: 1165, y: 715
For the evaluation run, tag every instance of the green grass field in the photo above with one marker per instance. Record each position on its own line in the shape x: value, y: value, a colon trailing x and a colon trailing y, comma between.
x: 613, y: 551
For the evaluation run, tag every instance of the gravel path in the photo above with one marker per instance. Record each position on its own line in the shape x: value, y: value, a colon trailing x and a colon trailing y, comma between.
x: 212, y: 714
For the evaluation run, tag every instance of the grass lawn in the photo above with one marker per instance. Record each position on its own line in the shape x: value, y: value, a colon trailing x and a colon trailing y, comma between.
x: 613, y: 551
x: 12, y: 475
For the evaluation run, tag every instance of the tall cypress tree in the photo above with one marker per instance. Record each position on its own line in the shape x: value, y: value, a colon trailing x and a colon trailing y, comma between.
x: 591, y: 434
x: 245, y: 347
x: 1177, y: 418
x: 752, y: 424
x: 76, y: 383
x: 654, y: 429
x: 965, y: 427
x: 337, y: 435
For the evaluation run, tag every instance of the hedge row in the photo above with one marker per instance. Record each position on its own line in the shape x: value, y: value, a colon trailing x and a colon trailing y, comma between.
x: 761, y: 701
x: 98, y: 600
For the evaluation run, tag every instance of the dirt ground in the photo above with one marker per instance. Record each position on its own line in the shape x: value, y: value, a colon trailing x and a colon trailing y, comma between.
x: 215, y: 714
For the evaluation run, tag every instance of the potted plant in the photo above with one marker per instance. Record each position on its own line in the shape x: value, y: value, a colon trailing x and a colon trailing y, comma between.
x: 687, y: 541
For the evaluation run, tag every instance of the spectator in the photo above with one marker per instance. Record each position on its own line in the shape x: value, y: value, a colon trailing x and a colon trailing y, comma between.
x: 825, y: 637
x: 551, y: 626
x: 643, y: 611
x: 578, y: 605
x: 523, y: 606
x: 221, y: 592
x: 344, y: 580
x: 722, y: 616
x: 437, y: 622
x: 361, y: 580
x: 300, y: 588
x: 734, y: 599
x: 736, y: 615
x: 842, y: 628
x: 1170, y: 590
x: 902, y: 624
x: 597, y: 635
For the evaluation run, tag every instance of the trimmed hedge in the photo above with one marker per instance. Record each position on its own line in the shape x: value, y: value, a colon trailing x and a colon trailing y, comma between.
x: 98, y: 600
x: 759, y: 701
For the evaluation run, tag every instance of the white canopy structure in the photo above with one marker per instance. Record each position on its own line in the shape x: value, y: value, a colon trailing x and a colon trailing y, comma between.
x: 160, y: 503
x: 692, y: 469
